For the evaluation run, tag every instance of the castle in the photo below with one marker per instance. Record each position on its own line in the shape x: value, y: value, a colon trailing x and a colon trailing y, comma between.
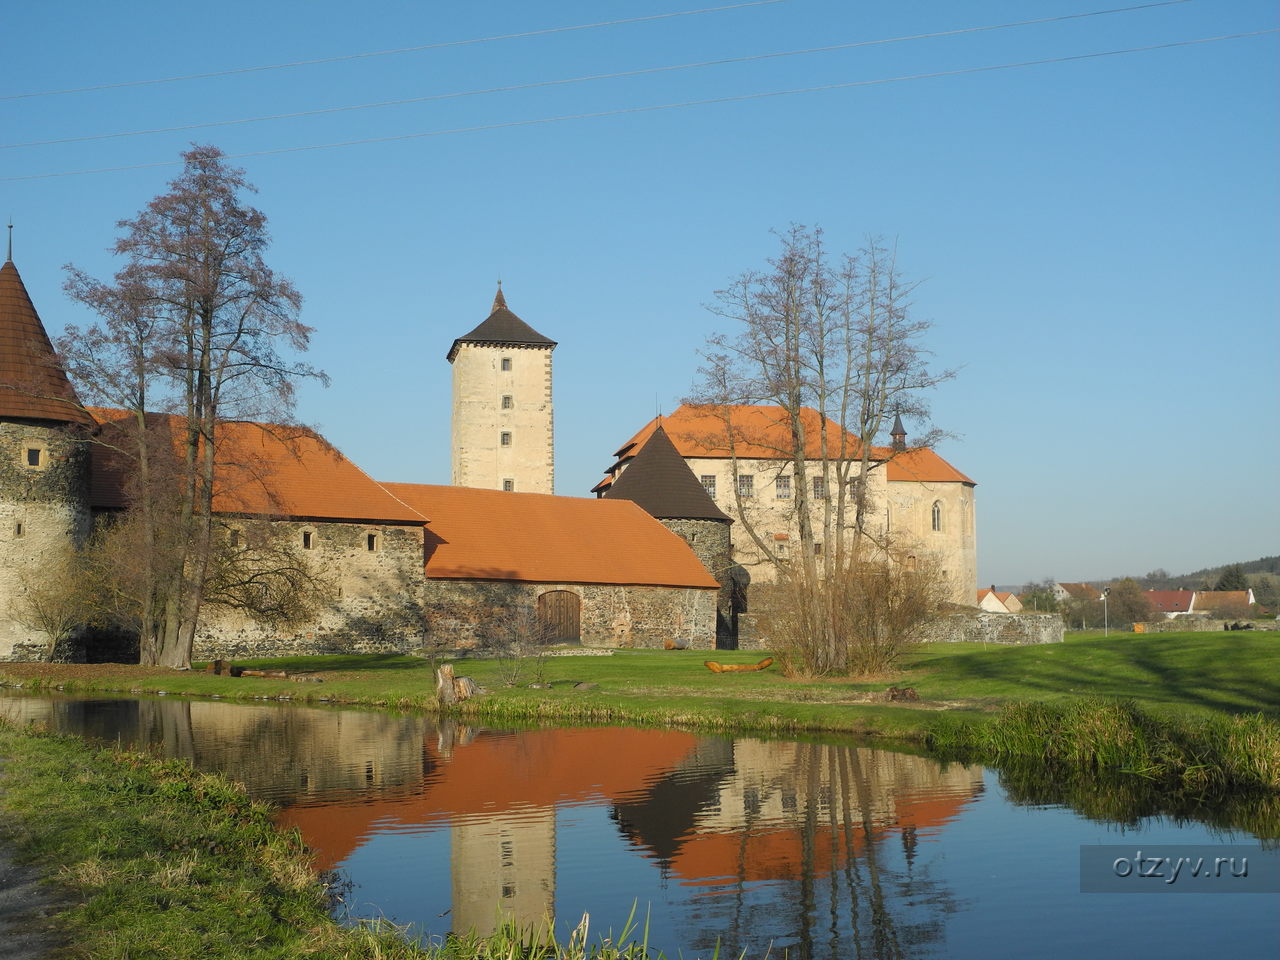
x: 649, y: 563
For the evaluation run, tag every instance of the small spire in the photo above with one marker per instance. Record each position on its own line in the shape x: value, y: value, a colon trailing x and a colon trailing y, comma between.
x: 9, y: 257
x: 898, y: 433
x: 499, y: 301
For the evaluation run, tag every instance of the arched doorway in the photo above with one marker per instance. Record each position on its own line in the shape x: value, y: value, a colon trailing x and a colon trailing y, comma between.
x: 559, y: 617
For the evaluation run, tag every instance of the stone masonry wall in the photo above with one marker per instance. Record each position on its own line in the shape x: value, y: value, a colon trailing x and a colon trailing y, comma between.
x: 710, y: 541
x: 44, y: 515
x: 375, y: 595
x: 982, y: 627
x: 1200, y: 625
x: 462, y: 613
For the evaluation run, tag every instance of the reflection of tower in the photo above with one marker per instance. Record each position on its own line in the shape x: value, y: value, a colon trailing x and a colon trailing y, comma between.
x: 504, y: 870
x: 502, y: 415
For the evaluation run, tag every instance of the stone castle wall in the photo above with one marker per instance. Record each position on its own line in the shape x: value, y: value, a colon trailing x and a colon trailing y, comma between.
x: 43, y: 516
x: 980, y: 626
x: 373, y: 598
x: 464, y: 613
x: 710, y: 541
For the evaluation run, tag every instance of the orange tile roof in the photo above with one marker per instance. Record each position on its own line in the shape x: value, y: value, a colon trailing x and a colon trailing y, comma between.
x: 32, y: 381
x: 540, y: 538
x: 1171, y: 601
x: 265, y: 470
x: 922, y: 466
x: 759, y: 432
x: 762, y: 432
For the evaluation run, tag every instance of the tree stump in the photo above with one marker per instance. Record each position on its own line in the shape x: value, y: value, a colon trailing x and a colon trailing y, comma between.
x: 464, y: 688
x: 446, y: 693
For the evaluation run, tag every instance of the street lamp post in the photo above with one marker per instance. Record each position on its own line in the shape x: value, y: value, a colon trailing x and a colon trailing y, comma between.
x: 1106, y: 621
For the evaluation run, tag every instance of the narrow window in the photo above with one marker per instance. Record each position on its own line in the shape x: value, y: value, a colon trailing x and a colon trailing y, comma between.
x: 709, y: 484
x: 508, y: 485
x: 18, y: 529
x: 371, y: 542
x: 35, y: 457
x: 746, y: 486
x: 507, y: 401
x: 308, y: 539
x: 819, y: 488
x: 505, y: 438
x: 937, y: 515
x: 782, y: 488
x: 817, y: 549
x: 506, y: 363
x: 234, y: 537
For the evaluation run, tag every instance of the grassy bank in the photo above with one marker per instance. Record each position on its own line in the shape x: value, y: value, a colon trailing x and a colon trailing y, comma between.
x: 1180, y: 675
x: 155, y: 860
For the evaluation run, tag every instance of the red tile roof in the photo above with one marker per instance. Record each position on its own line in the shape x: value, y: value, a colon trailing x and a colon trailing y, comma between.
x: 539, y: 538
x: 1081, y: 591
x: 1170, y: 601
x: 32, y: 382
x: 1211, y: 599
x: 264, y: 470
x: 762, y: 432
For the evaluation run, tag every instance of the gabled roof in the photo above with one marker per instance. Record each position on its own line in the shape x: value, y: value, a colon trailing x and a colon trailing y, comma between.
x: 1209, y: 599
x: 502, y: 327
x: 32, y: 381
x: 539, y: 538
x: 758, y: 432
x: 1170, y: 601
x: 763, y: 432
x: 661, y: 482
x: 1081, y: 591
x: 263, y: 469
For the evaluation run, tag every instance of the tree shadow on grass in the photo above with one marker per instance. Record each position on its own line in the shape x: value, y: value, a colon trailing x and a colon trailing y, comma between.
x: 1181, y: 673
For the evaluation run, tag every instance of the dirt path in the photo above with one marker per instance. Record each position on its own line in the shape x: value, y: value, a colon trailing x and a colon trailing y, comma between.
x: 26, y: 932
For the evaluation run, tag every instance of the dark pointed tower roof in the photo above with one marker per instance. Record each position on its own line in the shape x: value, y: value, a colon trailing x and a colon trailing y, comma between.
x: 32, y: 382
x: 898, y: 433
x: 660, y: 481
x: 502, y: 327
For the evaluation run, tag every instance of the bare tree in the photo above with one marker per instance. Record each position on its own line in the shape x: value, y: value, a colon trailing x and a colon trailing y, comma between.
x: 192, y: 326
x: 52, y: 600
x: 832, y: 344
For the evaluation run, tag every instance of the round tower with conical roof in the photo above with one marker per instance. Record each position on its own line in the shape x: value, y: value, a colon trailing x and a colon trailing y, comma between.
x: 44, y: 467
x: 503, y: 424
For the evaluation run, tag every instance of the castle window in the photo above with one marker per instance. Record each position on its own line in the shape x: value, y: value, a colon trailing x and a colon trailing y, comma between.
x: 19, y: 530
x: 505, y: 438
x: 709, y: 484
x: 371, y: 542
x: 509, y: 485
x: 308, y: 540
x: 819, y: 488
x: 508, y: 401
x: 233, y: 537
x: 782, y: 488
x: 746, y: 486
x: 35, y: 456
x: 817, y: 548
x: 506, y: 363
x: 937, y: 516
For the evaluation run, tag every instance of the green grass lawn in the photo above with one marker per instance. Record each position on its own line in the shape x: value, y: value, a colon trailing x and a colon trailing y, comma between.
x: 1180, y: 674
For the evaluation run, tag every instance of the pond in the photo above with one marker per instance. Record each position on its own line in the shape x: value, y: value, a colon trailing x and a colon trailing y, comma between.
x: 824, y: 849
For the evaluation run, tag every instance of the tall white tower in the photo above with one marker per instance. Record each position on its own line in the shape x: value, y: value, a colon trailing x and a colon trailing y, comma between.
x: 503, y: 434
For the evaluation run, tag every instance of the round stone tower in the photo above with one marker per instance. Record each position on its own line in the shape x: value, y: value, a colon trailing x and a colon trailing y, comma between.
x: 44, y: 467
x: 658, y: 479
x: 503, y: 426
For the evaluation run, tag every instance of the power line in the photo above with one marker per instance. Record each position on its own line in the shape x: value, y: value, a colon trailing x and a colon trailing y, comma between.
x: 738, y: 98
x: 387, y: 53
x: 599, y: 76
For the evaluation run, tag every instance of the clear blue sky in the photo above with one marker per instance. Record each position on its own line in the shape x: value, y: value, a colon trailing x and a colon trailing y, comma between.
x: 1098, y: 238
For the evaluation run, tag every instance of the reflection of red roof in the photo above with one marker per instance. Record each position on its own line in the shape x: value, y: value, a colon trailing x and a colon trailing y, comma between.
x: 539, y: 538
x: 499, y: 773
x: 763, y: 433
x: 263, y: 470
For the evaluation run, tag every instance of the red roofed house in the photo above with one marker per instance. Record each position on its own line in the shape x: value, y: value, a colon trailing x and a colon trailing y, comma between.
x: 1171, y: 603
x: 409, y: 564
x: 996, y: 601
x: 920, y: 499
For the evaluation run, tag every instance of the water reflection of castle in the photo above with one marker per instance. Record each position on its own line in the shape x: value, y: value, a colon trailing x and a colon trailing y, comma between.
x: 714, y: 813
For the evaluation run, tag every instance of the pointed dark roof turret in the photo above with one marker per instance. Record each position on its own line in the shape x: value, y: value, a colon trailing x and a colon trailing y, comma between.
x: 660, y: 481
x: 32, y: 382
x: 502, y: 327
x: 898, y: 433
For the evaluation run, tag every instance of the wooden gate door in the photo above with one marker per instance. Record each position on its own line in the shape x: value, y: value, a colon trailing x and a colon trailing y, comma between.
x: 559, y: 616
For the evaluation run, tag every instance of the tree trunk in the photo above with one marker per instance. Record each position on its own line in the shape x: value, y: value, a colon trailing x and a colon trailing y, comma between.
x: 445, y: 691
